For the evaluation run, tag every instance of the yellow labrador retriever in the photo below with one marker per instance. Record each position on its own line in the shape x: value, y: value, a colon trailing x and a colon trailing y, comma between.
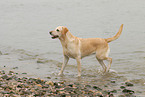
x: 77, y: 48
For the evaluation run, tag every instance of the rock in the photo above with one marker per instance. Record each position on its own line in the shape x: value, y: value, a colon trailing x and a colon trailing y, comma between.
x: 3, y: 72
x: 4, y: 76
x: 4, y: 85
x: 42, y: 60
x: 27, y: 92
x: 112, y: 81
x: 39, y: 85
x: 15, y: 67
x: 49, y: 83
x: 26, y: 85
x: 24, y: 73
x: 71, y: 85
x: 45, y: 86
x: 48, y: 77
x: 128, y: 84
x: 106, y: 92
x: 5, y: 92
x: 99, y: 94
x: 10, y: 72
x: 113, y: 91
x: 122, y: 86
x: 88, y: 86
x: 97, y: 88
x: 128, y: 91
x: 111, y: 95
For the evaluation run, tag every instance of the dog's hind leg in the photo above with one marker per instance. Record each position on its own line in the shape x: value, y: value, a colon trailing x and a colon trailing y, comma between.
x: 103, y: 65
x: 65, y: 61
x: 110, y: 62
x: 101, y: 55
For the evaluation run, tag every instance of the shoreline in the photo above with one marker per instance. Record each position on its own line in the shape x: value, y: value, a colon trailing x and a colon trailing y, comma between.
x: 13, y: 85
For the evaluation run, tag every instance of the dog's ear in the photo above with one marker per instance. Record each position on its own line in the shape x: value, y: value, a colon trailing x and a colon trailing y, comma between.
x: 64, y: 30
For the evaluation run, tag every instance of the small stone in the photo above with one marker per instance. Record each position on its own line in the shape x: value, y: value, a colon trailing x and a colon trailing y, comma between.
x: 71, y: 85
x: 15, y: 67
x: 49, y: 83
x: 39, y: 85
x: 4, y: 85
x: 128, y: 84
x: 10, y: 72
x: 38, y: 81
x: 128, y: 91
x: 99, y: 94
x: 111, y: 95
x: 122, y: 86
x: 4, y: 76
x: 45, y: 86
x: 112, y: 81
x: 20, y: 86
x: 27, y: 92
x: 3, y: 72
x: 105, y: 86
x: 5, y: 92
x: 48, y: 77
x: 106, y: 92
x: 24, y: 73
x: 62, y: 82
x: 113, y: 91
x: 88, y: 86
x: 42, y: 60
x: 97, y: 88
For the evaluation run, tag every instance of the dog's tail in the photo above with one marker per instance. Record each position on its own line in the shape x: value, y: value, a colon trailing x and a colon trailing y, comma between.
x: 116, y: 36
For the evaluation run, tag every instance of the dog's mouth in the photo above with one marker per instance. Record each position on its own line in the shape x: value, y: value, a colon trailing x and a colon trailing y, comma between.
x: 54, y: 36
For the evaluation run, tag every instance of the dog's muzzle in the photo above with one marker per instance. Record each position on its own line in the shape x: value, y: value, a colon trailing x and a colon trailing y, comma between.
x: 53, y: 36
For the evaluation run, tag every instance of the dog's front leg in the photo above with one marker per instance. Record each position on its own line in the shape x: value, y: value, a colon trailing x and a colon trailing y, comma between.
x: 79, y: 66
x: 65, y: 61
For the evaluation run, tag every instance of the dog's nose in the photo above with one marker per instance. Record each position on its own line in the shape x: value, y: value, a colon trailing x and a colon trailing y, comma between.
x: 50, y: 32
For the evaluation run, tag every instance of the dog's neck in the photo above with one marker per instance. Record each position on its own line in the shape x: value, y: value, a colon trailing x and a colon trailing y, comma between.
x: 67, y: 38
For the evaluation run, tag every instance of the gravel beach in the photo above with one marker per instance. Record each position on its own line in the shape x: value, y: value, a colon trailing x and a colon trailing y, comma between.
x: 11, y: 85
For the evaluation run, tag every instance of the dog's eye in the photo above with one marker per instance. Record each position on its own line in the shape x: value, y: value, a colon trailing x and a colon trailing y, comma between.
x: 57, y: 30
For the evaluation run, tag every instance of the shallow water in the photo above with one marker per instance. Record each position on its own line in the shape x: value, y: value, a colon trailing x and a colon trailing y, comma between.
x: 26, y: 44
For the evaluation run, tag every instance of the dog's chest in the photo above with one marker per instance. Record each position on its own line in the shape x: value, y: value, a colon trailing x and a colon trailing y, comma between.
x: 71, y: 51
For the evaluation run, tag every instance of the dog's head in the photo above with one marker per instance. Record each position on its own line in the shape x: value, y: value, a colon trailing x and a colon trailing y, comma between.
x: 58, y: 32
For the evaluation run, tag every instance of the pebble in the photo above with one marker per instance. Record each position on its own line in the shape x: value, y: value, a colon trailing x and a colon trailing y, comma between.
x: 24, y: 73
x: 122, y: 86
x: 97, y: 88
x: 15, y: 67
x: 128, y: 84
x: 112, y: 81
x: 127, y: 91
x: 113, y: 91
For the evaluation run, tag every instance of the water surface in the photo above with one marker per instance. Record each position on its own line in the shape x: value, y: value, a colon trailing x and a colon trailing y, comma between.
x: 26, y: 44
